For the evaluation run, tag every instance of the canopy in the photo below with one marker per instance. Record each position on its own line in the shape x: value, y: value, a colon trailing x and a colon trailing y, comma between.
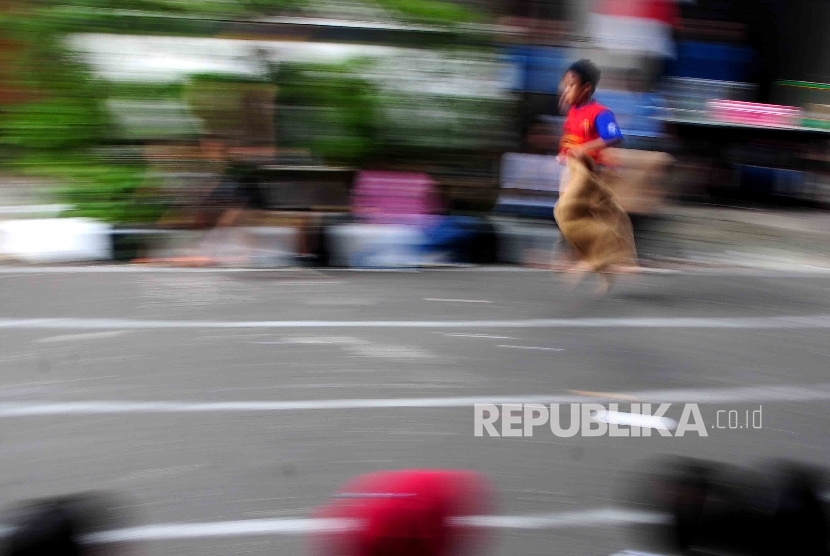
x: 643, y: 26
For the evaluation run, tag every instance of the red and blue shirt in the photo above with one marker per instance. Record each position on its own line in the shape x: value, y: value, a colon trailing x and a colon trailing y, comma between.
x: 587, y: 123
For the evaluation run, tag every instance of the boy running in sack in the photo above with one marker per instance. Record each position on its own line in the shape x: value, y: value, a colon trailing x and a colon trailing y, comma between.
x: 590, y: 127
x: 588, y: 214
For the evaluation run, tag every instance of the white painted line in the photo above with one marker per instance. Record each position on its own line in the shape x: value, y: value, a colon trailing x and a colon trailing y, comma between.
x: 757, y: 394
x: 482, y: 336
x: 636, y: 420
x: 251, y: 527
x: 80, y: 337
x: 603, y: 517
x: 736, y: 323
x: 745, y: 271
x: 29, y: 409
x: 530, y: 348
x: 457, y: 300
x: 563, y: 520
x: 306, y: 283
x: 274, y: 343
x: 339, y: 302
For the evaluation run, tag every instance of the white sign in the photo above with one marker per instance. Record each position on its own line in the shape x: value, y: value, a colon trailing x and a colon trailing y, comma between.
x: 530, y: 172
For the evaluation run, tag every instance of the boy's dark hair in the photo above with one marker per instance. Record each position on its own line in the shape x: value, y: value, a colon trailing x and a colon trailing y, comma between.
x: 587, y: 72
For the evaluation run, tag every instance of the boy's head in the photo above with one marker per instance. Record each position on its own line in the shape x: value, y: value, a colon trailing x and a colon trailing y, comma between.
x: 580, y: 82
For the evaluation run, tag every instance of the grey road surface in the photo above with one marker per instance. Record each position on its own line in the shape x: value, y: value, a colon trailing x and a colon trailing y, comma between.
x: 223, y: 407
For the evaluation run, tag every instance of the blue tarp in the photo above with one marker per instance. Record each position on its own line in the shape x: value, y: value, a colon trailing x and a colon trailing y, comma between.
x: 718, y: 62
x: 538, y: 69
x: 637, y: 113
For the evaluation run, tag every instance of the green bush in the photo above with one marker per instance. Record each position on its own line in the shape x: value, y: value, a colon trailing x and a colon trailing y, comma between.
x: 431, y: 11
x: 48, y: 136
x: 62, y: 123
x: 113, y: 193
x: 67, y: 117
x: 343, y: 118
x: 344, y: 128
x: 138, y: 15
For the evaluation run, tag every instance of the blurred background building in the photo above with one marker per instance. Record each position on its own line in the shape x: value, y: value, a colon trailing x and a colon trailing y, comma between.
x: 106, y: 102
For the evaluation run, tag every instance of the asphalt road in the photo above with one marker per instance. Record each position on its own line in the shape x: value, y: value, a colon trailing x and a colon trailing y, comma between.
x: 179, y: 391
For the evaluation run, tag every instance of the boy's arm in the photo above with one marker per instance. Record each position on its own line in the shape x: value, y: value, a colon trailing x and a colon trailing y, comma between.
x: 609, y: 135
x: 594, y: 146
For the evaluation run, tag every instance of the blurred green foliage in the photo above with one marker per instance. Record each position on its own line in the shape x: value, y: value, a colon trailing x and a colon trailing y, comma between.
x: 52, y: 133
x: 207, y: 8
x: 53, y: 124
x: 116, y: 193
x: 431, y: 11
x: 342, y: 116
x: 337, y: 109
x: 160, y: 16
x: 144, y: 91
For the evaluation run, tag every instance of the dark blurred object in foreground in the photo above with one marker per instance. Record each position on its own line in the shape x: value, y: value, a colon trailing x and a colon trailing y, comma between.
x: 406, y: 513
x: 58, y: 526
x: 717, y: 509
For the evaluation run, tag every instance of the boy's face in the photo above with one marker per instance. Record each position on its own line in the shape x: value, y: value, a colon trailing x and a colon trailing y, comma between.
x: 575, y: 92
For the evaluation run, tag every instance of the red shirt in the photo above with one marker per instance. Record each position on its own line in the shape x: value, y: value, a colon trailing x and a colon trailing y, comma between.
x: 581, y: 126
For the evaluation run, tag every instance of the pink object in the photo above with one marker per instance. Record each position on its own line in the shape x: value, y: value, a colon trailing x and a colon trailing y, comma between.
x: 662, y: 11
x: 395, y: 198
x: 754, y: 114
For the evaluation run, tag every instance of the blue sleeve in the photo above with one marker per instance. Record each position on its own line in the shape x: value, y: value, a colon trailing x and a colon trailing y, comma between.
x: 607, y: 126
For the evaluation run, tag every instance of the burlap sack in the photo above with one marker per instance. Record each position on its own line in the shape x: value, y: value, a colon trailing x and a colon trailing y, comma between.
x: 592, y: 220
x: 639, y: 179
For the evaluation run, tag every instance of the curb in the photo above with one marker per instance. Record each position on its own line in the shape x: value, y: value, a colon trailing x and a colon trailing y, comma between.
x: 341, y: 243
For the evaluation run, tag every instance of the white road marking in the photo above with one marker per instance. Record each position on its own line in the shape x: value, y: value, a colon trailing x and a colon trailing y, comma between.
x: 80, y: 337
x: 794, y: 270
x: 562, y: 520
x: 356, y: 346
x: 339, y: 302
x: 636, y: 420
x: 457, y: 300
x: 482, y: 336
x: 530, y: 347
x: 249, y: 527
x: 52, y: 382
x: 383, y: 351
x: 821, y: 321
x: 756, y: 394
x: 274, y: 343
x: 603, y: 517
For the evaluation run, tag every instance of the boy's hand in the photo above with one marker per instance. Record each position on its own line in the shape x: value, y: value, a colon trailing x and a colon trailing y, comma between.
x: 577, y: 152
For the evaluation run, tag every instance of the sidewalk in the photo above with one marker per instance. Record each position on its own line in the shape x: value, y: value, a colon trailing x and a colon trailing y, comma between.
x: 745, y: 237
x: 684, y: 236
